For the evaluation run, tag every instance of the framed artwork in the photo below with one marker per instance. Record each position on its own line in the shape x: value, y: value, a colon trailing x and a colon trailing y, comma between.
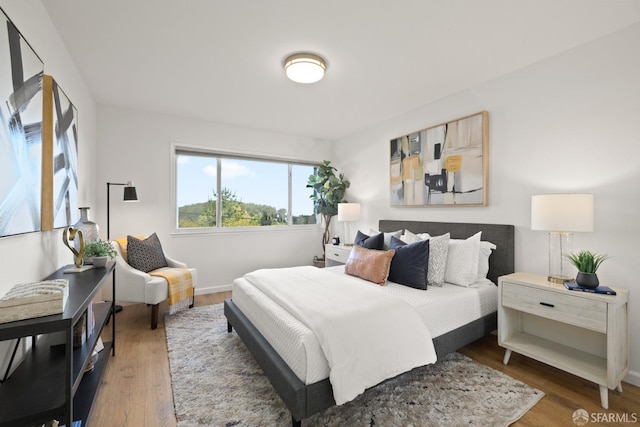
x: 444, y: 165
x: 21, y: 72
x: 60, y: 158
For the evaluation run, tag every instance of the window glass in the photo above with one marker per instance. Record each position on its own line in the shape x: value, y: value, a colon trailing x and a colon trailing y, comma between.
x: 251, y: 192
x: 254, y: 193
x: 301, y: 204
x: 196, y: 183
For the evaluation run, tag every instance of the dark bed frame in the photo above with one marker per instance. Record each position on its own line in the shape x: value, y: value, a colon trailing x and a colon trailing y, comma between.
x: 304, y: 400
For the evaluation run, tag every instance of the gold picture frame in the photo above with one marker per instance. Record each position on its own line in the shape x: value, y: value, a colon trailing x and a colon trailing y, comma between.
x: 442, y: 165
x: 59, y: 198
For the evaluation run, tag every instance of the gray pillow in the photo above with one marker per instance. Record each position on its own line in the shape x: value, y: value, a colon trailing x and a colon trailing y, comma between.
x: 145, y: 255
x: 438, y: 251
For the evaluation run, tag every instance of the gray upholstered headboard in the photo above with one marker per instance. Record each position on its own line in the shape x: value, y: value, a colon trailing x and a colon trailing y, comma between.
x: 501, y: 261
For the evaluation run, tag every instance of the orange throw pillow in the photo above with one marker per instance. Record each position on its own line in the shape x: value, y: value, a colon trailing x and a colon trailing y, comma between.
x: 369, y: 264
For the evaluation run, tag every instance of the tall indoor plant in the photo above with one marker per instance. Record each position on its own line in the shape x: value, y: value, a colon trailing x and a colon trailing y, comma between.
x: 328, y: 191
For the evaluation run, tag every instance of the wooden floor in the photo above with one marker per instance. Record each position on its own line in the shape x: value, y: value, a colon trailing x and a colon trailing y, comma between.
x: 136, y: 389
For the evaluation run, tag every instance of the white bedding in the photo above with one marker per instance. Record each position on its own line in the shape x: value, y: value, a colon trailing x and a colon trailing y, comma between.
x: 365, y: 335
x: 442, y: 309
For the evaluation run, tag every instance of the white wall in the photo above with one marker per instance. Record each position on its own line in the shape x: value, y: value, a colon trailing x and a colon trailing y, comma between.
x: 136, y: 146
x: 566, y: 124
x: 31, y: 257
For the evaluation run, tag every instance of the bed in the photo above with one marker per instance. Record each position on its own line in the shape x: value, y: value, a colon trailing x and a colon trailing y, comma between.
x: 304, y: 398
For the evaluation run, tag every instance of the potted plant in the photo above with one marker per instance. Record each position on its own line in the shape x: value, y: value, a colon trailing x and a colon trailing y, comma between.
x: 99, y: 251
x: 587, y: 263
x: 328, y: 191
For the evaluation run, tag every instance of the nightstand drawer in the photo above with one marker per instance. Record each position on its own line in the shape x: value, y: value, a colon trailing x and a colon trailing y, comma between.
x: 558, y: 306
x: 337, y: 254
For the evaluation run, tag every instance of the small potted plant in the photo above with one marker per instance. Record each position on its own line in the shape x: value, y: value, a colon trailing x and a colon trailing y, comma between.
x: 587, y: 263
x: 99, y: 252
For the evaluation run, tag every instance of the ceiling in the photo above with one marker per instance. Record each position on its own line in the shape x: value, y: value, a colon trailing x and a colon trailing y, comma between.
x: 221, y: 60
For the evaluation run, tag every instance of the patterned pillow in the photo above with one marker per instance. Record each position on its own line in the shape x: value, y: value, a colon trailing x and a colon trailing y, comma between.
x: 145, y: 255
x: 369, y: 264
x: 438, y: 251
x: 409, y: 237
x: 462, y: 261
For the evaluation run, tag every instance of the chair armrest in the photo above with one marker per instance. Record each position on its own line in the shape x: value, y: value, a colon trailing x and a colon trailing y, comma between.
x: 126, y: 269
x: 174, y: 263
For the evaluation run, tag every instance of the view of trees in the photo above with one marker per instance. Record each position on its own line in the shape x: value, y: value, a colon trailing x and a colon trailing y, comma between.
x: 235, y: 213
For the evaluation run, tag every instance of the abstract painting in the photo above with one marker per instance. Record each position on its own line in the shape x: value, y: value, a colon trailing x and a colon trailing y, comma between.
x: 444, y: 165
x: 21, y: 72
x: 60, y: 165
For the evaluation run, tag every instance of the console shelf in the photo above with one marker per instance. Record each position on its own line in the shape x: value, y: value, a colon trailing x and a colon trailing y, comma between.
x: 50, y: 382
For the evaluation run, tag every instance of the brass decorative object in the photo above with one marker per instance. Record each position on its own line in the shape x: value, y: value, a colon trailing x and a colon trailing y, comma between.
x: 71, y: 234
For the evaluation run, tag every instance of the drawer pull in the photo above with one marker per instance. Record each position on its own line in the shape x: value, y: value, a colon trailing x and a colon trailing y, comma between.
x: 546, y: 304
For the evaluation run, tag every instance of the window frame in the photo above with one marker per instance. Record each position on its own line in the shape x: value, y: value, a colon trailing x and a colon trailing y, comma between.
x: 218, y: 155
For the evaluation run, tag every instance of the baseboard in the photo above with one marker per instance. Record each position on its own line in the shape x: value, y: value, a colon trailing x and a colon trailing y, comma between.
x: 212, y: 289
x: 633, y: 378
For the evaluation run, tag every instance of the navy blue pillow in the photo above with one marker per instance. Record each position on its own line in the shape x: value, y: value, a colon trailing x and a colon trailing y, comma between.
x: 410, y: 263
x: 369, y: 242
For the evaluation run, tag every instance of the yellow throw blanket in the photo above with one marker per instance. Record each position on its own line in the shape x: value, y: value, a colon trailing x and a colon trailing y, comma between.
x: 179, y: 280
x: 180, y: 287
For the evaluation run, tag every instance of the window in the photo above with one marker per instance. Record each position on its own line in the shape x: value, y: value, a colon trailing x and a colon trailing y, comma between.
x: 250, y: 192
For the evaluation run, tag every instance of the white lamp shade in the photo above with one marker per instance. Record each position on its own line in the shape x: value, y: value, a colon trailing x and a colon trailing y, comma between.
x: 304, y: 68
x: 562, y: 212
x: 348, y: 211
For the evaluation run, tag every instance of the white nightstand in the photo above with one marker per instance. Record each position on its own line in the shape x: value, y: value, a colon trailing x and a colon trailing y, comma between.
x: 337, y: 254
x: 583, y: 333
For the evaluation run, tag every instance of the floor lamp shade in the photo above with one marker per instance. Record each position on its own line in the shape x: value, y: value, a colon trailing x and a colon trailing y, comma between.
x: 348, y: 213
x: 561, y: 215
x: 130, y: 195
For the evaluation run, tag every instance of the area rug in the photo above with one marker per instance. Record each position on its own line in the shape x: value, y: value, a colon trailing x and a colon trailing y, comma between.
x: 216, y: 382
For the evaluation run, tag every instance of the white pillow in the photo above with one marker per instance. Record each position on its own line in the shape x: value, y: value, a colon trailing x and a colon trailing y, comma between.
x: 387, y: 237
x: 483, y: 258
x: 438, y: 251
x: 409, y: 237
x: 462, y: 261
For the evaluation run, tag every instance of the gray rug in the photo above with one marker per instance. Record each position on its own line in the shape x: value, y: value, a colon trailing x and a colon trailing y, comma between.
x: 216, y: 382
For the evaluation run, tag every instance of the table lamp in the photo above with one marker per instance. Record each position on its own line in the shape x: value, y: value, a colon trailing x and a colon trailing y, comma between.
x: 348, y: 213
x: 561, y: 215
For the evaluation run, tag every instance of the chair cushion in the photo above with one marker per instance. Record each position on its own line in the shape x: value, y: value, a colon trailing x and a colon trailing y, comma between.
x: 145, y: 255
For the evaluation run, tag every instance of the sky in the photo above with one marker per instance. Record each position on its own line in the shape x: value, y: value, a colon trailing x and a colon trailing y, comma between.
x: 252, y: 182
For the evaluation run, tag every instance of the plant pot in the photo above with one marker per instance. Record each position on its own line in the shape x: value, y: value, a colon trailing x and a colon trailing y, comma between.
x: 318, y: 262
x: 100, y: 261
x: 587, y: 280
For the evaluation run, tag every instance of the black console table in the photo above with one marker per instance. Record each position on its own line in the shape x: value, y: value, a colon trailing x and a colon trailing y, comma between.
x: 50, y: 382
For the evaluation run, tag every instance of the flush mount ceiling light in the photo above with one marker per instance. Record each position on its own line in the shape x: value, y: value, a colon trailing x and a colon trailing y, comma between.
x: 304, y: 67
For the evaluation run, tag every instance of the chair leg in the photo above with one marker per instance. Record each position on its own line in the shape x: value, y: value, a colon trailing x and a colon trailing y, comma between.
x: 193, y: 301
x: 154, y: 316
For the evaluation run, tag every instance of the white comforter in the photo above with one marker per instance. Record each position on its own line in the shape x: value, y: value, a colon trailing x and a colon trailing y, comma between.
x: 366, y: 335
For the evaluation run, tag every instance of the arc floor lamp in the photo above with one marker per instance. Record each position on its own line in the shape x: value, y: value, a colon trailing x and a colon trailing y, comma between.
x: 130, y: 195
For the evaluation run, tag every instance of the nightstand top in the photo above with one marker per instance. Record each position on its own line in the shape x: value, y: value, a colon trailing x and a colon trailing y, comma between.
x: 540, y: 281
